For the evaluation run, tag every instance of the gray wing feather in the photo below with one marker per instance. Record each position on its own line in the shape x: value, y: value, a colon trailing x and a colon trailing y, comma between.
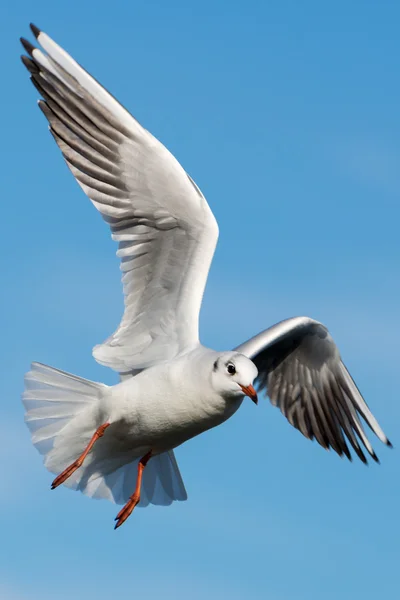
x: 300, y: 368
x: 160, y: 219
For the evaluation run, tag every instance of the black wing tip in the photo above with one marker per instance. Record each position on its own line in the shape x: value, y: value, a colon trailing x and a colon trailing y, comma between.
x: 29, y: 64
x: 376, y: 459
x: 346, y: 453
x: 35, y: 30
x: 389, y: 444
x: 27, y: 45
x: 362, y: 456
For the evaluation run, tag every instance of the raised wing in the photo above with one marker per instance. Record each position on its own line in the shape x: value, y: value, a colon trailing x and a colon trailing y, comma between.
x: 166, y: 231
x: 300, y: 368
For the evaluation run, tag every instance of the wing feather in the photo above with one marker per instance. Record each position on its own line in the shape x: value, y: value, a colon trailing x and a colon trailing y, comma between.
x: 164, y: 227
x: 300, y: 368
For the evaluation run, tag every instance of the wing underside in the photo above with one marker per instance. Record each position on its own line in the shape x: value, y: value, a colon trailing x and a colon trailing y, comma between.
x: 163, y: 225
x: 300, y: 369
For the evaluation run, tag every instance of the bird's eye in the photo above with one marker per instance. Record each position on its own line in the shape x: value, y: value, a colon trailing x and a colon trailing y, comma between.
x: 231, y: 369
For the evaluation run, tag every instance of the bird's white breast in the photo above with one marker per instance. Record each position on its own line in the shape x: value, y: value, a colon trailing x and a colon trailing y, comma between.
x: 168, y: 404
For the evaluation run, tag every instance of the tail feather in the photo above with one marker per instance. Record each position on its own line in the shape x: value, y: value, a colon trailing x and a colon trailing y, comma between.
x: 42, y: 377
x: 61, y: 415
x: 51, y: 399
x: 161, y: 485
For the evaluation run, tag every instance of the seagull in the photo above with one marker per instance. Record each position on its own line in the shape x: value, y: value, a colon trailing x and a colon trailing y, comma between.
x: 117, y: 442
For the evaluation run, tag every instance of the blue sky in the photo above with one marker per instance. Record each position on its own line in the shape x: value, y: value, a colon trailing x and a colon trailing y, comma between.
x: 286, y: 115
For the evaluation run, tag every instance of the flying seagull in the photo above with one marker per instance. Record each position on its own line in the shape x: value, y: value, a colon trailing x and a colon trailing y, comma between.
x: 117, y: 442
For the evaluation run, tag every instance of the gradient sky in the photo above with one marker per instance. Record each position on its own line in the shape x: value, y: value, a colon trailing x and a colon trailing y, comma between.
x: 286, y: 114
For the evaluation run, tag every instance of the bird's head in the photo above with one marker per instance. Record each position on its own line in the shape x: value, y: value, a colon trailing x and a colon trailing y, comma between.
x: 233, y: 374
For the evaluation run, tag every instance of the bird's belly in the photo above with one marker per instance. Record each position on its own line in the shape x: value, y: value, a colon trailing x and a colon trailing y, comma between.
x: 159, y: 426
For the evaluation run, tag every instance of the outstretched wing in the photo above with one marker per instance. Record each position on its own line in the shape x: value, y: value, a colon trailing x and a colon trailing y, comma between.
x: 300, y: 368
x: 166, y: 231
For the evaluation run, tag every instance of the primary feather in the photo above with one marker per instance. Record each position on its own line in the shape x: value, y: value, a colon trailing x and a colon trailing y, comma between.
x: 165, y: 229
x: 300, y: 368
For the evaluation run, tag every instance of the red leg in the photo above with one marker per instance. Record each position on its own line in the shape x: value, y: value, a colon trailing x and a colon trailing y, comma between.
x: 75, y: 465
x: 134, y: 499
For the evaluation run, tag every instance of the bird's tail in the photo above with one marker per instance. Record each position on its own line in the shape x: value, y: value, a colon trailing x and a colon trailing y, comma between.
x: 62, y: 413
x: 52, y: 399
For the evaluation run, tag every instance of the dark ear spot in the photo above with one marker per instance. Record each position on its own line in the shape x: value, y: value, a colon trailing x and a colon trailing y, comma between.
x: 215, y: 367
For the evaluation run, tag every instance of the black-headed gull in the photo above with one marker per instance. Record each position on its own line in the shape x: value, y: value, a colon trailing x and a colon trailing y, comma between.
x: 103, y: 438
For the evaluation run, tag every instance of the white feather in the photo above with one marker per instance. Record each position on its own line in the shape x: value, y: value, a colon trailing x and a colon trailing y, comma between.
x: 62, y: 413
x: 166, y: 231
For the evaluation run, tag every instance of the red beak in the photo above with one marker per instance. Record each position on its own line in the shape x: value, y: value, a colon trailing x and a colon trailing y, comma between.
x: 250, y: 392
